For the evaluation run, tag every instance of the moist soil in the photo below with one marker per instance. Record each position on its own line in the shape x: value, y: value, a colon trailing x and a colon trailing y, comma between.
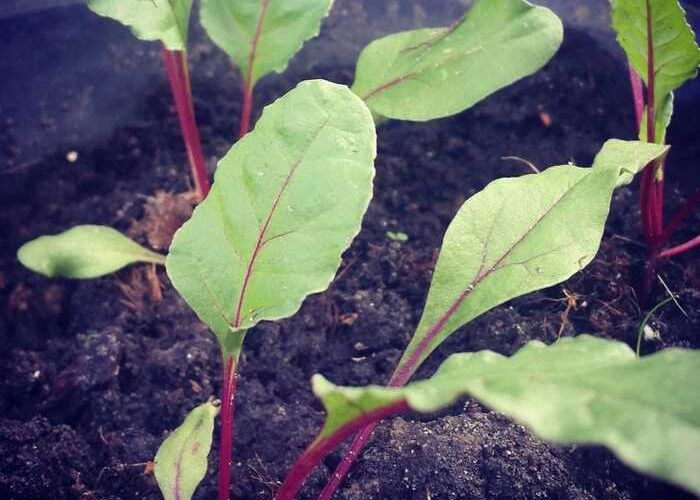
x: 93, y: 374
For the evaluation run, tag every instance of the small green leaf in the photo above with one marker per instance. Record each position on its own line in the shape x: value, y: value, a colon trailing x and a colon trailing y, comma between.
x: 430, y: 73
x: 164, y: 20
x: 84, y: 252
x: 287, y: 200
x: 675, y: 53
x: 181, y: 461
x: 261, y: 36
x: 582, y: 390
x: 663, y: 120
x: 522, y: 234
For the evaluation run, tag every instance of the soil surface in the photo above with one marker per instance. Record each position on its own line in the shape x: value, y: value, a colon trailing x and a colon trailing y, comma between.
x: 93, y: 374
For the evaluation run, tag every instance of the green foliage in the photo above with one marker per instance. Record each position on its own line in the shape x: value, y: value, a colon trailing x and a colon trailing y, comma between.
x: 676, y: 55
x: 522, y: 234
x: 582, y: 390
x: 264, y: 34
x: 84, y: 252
x: 397, y: 236
x: 430, y: 73
x: 164, y: 20
x: 181, y: 461
x: 287, y: 200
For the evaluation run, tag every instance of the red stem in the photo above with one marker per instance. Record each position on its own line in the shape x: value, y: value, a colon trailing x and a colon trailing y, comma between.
x: 679, y: 249
x: 637, y: 95
x: 178, y: 75
x: 247, y: 109
x: 227, y: 410
x: 679, y: 217
x: 306, y: 463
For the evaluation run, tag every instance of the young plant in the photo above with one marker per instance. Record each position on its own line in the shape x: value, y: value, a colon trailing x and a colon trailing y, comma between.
x: 286, y: 202
x: 661, y: 48
x: 261, y: 36
x: 168, y: 22
x: 582, y: 390
x: 515, y: 236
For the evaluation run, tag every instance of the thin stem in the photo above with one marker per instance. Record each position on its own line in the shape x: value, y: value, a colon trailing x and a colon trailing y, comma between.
x: 637, y: 95
x: 313, y: 455
x: 178, y: 75
x: 228, y: 393
x: 679, y: 217
x: 640, y: 332
x: 247, y: 110
x: 679, y: 249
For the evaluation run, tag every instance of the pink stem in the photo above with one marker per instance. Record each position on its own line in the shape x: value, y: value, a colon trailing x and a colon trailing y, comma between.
x: 247, y: 110
x: 227, y: 411
x: 679, y: 217
x: 678, y: 249
x: 178, y: 75
x: 637, y: 95
x: 313, y: 455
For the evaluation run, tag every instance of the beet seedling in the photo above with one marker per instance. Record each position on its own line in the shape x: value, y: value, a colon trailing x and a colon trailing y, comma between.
x: 516, y: 236
x: 661, y: 47
x: 286, y: 202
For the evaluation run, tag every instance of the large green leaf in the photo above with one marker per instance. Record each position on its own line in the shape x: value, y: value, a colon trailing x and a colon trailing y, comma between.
x: 430, y: 73
x: 261, y: 36
x: 164, y: 20
x: 181, y: 461
x: 662, y: 22
x: 582, y: 390
x: 519, y: 235
x: 84, y: 252
x: 287, y: 200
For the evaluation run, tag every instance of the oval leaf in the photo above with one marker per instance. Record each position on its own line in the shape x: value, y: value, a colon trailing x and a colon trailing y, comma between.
x: 84, y: 252
x: 164, y: 20
x: 522, y: 234
x: 676, y: 55
x: 181, y: 461
x: 430, y: 73
x: 582, y: 390
x: 261, y: 36
x: 287, y: 200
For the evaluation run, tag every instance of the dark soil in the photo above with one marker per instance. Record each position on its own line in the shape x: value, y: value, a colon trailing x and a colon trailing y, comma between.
x: 93, y: 374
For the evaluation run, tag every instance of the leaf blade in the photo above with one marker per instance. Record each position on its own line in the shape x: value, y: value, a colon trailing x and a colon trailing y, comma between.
x: 676, y: 54
x: 242, y: 30
x: 431, y: 73
x: 84, y: 252
x: 545, y: 227
x: 286, y: 202
x: 164, y: 20
x: 583, y: 390
x: 181, y: 460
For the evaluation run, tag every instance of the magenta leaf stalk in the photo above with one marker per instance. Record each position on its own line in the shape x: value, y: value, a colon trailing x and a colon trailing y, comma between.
x: 178, y: 75
x: 313, y: 455
x: 228, y: 393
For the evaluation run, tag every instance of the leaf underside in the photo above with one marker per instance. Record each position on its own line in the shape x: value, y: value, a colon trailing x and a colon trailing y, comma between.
x: 582, y: 390
x: 181, y: 461
x: 261, y: 36
x: 522, y: 234
x: 84, y: 252
x: 287, y: 200
x: 430, y: 73
x: 164, y: 20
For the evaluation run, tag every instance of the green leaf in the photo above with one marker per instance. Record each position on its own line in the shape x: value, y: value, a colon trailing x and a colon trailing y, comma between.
x: 522, y: 234
x: 582, y: 390
x: 181, y: 461
x: 261, y: 36
x: 84, y: 252
x: 164, y: 20
x: 663, y: 120
x: 676, y: 55
x: 430, y: 73
x: 287, y: 200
